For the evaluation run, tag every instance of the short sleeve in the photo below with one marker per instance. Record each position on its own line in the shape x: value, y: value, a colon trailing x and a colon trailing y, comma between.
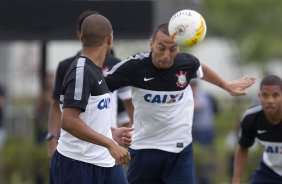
x: 247, y: 133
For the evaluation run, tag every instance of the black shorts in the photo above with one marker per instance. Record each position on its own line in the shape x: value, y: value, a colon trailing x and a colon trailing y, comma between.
x: 151, y: 166
x: 65, y: 170
x: 264, y: 174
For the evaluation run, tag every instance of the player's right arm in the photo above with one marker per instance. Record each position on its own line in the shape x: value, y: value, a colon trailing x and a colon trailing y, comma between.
x: 240, y: 160
x: 73, y: 124
x: 247, y: 135
x: 54, y: 118
x: 235, y: 88
x: 54, y: 126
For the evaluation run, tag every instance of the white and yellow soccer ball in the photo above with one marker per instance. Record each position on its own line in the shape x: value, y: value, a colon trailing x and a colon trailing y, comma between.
x: 187, y: 28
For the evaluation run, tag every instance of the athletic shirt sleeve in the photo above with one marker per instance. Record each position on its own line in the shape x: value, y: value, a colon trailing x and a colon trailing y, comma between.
x: 198, y: 73
x: 247, y: 132
x: 77, y: 87
x: 120, y: 75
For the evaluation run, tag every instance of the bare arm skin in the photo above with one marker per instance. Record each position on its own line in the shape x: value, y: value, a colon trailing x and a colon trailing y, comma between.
x: 54, y: 126
x: 75, y: 126
x: 121, y: 135
x: 235, y: 88
x: 240, y: 160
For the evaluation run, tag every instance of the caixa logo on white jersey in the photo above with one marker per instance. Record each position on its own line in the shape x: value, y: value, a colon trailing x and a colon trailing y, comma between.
x: 104, y: 104
x: 273, y: 149
x: 163, y: 99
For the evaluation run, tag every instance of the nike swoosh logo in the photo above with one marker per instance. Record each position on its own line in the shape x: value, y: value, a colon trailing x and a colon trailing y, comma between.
x: 148, y: 79
x: 262, y: 131
x: 99, y: 82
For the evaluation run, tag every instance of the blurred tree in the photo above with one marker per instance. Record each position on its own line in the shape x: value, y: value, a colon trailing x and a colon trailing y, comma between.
x: 254, y: 25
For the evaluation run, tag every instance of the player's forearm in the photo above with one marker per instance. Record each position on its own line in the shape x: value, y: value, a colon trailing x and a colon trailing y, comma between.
x: 241, y: 155
x: 212, y: 77
x: 79, y: 129
x: 54, y: 120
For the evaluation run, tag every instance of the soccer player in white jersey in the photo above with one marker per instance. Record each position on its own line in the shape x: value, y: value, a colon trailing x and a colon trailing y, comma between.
x: 264, y: 123
x: 161, y: 149
x: 86, y: 152
x: 120, y: 135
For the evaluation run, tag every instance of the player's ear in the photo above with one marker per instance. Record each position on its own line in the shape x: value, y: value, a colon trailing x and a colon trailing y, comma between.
x: 151, y: 44
x: 110, y: 39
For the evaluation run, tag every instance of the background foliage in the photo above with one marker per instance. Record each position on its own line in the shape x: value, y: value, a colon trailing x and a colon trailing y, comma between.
x: 254, y: 25
x: 22, y: 159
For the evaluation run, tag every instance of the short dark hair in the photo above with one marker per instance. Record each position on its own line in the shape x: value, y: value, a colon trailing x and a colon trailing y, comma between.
x: 271, y: 80
x: 82, y: 16
x: 94, y: 29
x: 163, y: 28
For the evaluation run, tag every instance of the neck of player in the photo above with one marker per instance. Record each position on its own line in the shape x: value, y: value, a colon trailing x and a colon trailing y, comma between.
x: 95, y: 54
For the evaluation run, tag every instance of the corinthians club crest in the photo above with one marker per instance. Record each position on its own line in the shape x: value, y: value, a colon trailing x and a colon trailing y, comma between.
x: 181, y: 79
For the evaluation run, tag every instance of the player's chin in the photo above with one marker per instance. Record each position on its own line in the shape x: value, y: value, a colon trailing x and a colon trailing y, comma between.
x: 270, y: 110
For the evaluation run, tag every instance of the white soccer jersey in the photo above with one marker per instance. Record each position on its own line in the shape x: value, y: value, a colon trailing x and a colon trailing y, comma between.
x: 254, y: 124
x: 84, y: 87
x: 162, y: 99
x: 122, y: 93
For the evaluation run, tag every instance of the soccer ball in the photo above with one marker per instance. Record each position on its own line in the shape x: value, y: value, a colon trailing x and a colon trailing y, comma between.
x: 187, y: 28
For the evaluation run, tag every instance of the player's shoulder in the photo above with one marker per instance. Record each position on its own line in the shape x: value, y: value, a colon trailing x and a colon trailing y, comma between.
x: 139, y: 56
x: 186, y: 57
x: 67, y: 62
x: 253, y: 110
x: 135, y: 60
x: 252, y: 113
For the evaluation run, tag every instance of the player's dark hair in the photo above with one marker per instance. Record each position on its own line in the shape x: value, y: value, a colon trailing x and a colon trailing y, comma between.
x: 82, y: 16
x: 163, y: 28
x: 94, y: 29
x: 271, y: 80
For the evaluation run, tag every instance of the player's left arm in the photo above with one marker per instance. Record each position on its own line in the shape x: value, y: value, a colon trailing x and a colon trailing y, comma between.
x: 235, y: 88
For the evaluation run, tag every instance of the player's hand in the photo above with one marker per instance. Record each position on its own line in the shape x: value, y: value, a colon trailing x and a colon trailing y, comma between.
x: 123, y: 136
x: 120, y: 154
x: 239, y: 87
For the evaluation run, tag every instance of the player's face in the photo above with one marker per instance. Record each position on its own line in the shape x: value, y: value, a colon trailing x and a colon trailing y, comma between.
x: 271, y: 99
x: 164, y: 51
